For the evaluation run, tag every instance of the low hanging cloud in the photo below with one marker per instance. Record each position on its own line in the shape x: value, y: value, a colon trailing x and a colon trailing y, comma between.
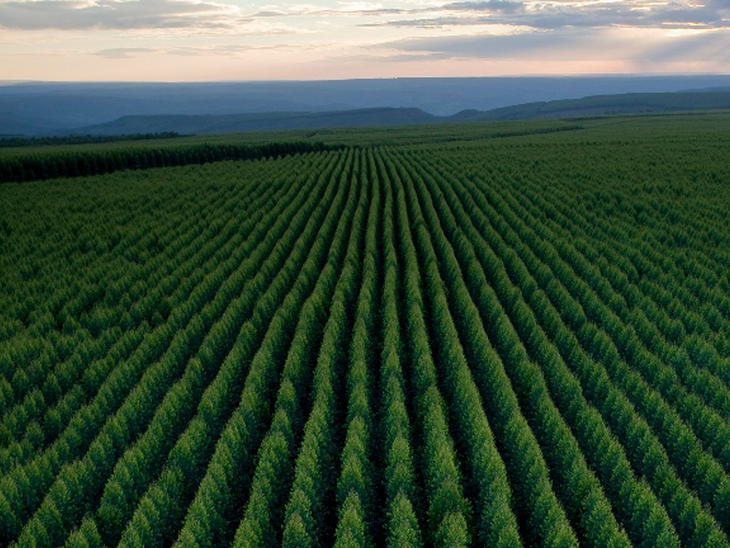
x: 123, y: 53
x: 186, y: 51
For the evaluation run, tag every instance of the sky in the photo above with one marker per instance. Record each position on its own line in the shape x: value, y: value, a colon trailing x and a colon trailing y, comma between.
x: 230, y: 40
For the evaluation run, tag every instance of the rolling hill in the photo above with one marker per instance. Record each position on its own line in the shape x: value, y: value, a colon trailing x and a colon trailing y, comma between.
x: 602, y: 105
x: 48, y: 108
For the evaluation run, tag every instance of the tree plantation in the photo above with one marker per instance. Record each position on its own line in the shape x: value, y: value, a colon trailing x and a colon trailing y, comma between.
x: 465, y: 335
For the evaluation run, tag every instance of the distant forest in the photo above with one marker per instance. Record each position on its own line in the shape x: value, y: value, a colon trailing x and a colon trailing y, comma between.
x: 83, y: 139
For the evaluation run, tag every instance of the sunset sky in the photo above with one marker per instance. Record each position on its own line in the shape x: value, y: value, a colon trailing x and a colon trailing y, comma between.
x: 183, y: 40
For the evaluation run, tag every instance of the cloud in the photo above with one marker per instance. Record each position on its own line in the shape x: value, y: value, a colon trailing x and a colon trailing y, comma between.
x: 629, y: 13
x: 692, y: 47
x: 123, y: 53
x: 115, y: 15
x: 270, y: 13
x: 550, y: 44
x: 642, y: 49
x: 215, y: 15
x: 491, y: 6
x: 637, y: 34
x: 345, y: 10
x: 187, y: 51
x: 559, y: 14
x: 123, y: 15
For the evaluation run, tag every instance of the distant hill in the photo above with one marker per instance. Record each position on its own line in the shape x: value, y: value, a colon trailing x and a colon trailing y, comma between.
x: 14, y: 124
x: 632, y: 103
x: 602, y: 105
x: 42, y: 108
x: 236, y: 123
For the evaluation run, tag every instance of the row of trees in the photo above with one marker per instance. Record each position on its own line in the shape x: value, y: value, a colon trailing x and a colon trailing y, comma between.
x: 83, y: 139
x: 274, y: 473
x: 671, y: 441
x: 215, y: 508
x: 161, y: 512
x: 24, y: 167
x: 575, y: 485
x: 402, y: 490
x: 94, y: 340
x: 447, y: 509
x: 634, y: 505
x: 273, y: 269
x: 702, y: 530
x: 357, y: 482
x: 426, y: 346
x: 118, y: 382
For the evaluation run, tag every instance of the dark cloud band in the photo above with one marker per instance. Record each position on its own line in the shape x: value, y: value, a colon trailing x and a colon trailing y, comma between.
x: 166, y: 14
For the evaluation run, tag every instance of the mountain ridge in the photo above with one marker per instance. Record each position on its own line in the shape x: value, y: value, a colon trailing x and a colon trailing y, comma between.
x: 603, y: 105
x: 46, y: 108
x: 273, y: 121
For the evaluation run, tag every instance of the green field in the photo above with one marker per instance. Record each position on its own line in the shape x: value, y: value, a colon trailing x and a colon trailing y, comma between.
x: 512, y: 334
